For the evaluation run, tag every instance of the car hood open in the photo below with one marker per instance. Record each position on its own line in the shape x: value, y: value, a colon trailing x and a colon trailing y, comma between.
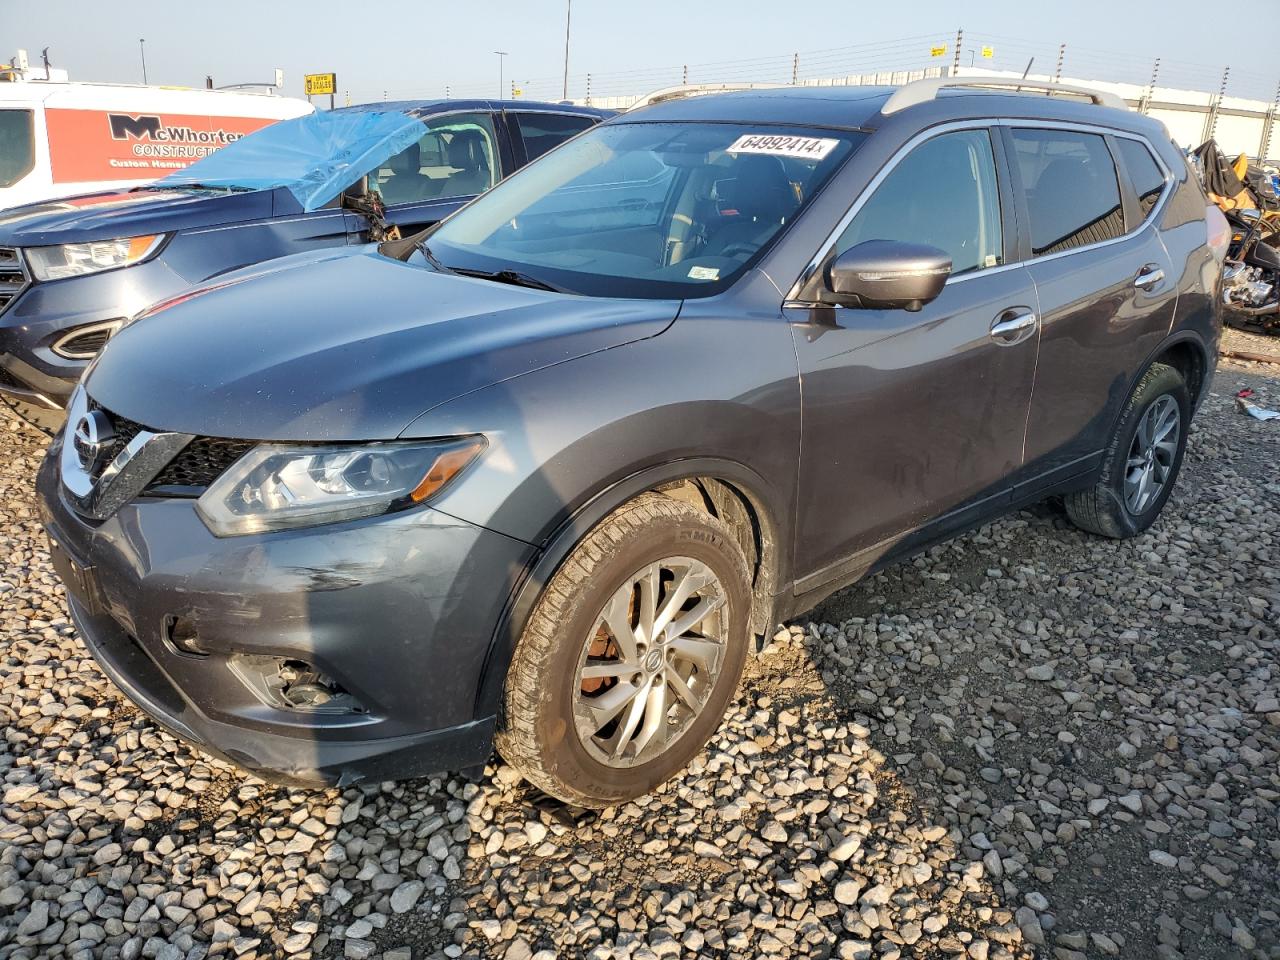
x: 344, y: 345
x: 126, y: 213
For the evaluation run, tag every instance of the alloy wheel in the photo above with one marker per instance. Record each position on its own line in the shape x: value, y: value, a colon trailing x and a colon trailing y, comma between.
x: 650, y: 661
x: 1152, y: 455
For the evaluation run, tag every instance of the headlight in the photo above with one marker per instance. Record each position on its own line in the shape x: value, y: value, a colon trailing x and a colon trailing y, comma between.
x: 76, y: 259
x: 276, y: 486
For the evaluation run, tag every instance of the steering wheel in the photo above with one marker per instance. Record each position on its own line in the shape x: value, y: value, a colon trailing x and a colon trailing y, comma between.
x: 741, y: 248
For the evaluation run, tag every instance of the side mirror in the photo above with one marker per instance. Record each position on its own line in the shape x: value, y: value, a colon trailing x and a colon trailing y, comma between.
x: 887, y: 275
x: 358, y: 189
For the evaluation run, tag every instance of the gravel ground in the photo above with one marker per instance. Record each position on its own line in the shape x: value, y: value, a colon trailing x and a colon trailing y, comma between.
x: 1027, y: 743
x: 1236, y: 340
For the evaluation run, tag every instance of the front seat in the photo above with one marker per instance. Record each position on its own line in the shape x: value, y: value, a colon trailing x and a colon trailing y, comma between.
x: 406, y: 183
x: 466, y: 153
x: 761, y: 197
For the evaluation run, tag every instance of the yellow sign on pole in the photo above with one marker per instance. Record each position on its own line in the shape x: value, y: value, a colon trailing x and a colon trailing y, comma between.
x: 320, y: 83
x: 938, y: 51
x: 517, y: 92
x: 988, y: 52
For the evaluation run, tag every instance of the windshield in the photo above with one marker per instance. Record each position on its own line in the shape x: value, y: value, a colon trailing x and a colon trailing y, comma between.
x: 17, y: 146
x: 315, y: 156
x: 651, y: 210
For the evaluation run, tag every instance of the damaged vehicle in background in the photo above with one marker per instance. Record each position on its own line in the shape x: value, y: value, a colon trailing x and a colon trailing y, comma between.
x: 74, y: 270
x: 543, y: 477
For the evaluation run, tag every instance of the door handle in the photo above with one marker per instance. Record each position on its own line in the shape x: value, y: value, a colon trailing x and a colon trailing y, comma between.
x: 1148, y: 276
x: 1013, y: 326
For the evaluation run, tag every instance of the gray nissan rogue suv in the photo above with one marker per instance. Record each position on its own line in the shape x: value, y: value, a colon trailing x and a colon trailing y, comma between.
x: 543, y: 477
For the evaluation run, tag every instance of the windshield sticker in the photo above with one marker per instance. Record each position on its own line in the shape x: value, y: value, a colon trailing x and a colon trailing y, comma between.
x: 805, y: 148
x: 704, y: 273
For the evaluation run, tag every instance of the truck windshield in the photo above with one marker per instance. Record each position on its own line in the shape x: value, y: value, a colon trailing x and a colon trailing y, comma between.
x: 650, y: 210
x: 17, y: 146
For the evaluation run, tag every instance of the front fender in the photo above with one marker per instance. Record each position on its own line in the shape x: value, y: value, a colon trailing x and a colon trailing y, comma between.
x: 711, y: 397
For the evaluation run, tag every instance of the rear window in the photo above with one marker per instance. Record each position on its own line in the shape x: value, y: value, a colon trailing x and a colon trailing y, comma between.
x: 542, y: 132
x: 1144, y: 174
x: 1072, y: 192
x: 17, y: 146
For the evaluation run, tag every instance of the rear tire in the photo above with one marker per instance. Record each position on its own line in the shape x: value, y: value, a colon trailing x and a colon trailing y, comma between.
x: 589, y: 646
x: 1149, y: 441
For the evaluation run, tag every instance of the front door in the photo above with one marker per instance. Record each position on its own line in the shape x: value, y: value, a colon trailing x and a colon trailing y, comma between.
x: 458, y: 157
x: 908, y: 417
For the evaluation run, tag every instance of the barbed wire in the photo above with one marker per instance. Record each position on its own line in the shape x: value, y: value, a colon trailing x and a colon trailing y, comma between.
x: 901, y: 54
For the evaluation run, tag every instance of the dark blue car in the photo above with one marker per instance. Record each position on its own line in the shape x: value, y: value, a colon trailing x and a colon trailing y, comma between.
x: 73, y: 271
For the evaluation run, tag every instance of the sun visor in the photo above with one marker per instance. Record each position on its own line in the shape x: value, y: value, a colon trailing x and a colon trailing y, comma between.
x: 315, y: 157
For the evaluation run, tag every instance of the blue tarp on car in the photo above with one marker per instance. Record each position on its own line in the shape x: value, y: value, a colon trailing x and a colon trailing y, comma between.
x: 315, y: 157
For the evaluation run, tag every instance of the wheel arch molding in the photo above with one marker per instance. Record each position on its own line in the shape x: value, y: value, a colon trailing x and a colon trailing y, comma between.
x: 728, y: 489
x: 1185, y: 351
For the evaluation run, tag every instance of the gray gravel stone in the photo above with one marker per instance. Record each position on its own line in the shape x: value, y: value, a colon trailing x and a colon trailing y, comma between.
x: 1027, y: 742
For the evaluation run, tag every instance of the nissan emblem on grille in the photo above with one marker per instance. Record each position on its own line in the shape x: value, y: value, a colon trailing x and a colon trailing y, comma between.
x: 91, y: 438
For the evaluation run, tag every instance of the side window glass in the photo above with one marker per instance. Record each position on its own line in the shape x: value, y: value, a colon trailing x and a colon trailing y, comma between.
x: 943, y: 193
x: 456, y: 157
x: 1073, y: 196
x: 17, y: 146
x: 543, y: 131
x: 1148, y: 181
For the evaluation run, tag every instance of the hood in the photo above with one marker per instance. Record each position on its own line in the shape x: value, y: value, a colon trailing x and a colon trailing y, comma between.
x: 127, y: 213
x: 344, y: 345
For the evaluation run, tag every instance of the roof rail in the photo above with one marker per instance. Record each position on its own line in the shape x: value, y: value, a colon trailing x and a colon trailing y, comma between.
x: 922, y: 91
x: 684, y: 90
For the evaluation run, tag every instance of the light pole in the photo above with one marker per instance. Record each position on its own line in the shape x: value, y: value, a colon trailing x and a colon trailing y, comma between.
x: 568, y: 16
x: 142, y: 48
x: 501, y: 60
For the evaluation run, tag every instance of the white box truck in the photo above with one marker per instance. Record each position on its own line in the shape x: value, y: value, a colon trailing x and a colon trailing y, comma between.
x: 59, y: 138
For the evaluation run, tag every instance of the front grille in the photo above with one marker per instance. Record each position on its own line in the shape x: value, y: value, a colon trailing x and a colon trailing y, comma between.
x: 202, y: 461
x: 13, y: 279
x: 124, y: 431
x: 8, y: 380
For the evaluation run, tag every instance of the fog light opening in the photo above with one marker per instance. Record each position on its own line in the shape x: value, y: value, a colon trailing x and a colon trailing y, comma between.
x: 293, y: 684
x: 184, y: 638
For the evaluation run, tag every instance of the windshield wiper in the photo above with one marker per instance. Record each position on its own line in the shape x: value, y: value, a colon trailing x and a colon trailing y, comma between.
x: 513, y: 277
x: 229, y: 188
x: 431, y: 257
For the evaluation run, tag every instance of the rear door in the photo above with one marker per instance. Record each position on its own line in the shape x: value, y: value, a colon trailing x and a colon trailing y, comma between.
x: 1106, y: 286
x: 913, y: 416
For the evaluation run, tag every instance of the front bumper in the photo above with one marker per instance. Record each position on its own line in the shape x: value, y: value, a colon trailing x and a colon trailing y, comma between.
x: 399, y: 610
x: 46, y: 312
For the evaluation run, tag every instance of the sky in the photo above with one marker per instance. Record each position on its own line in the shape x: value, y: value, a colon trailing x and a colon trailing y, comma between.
x: 401, y: 49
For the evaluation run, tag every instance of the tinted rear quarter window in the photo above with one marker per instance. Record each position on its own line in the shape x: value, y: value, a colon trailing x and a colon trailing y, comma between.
x: 1144, y: 174
x: 542, y: 132
x: 1073, y: 196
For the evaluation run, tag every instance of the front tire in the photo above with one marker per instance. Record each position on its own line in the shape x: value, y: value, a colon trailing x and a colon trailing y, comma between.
x: 631, y: 656
x: 1142, y: 461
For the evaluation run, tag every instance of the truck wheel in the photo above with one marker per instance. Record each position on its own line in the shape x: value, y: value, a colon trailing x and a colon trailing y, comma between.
x: 630, y: 657
x: 1142, y: 460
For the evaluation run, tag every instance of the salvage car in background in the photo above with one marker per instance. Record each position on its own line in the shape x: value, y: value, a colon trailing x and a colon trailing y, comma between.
x: 73, y: 271
x: 543, y: 475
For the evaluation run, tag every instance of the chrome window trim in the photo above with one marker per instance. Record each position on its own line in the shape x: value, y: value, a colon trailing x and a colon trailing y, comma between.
x: 988, y: 123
